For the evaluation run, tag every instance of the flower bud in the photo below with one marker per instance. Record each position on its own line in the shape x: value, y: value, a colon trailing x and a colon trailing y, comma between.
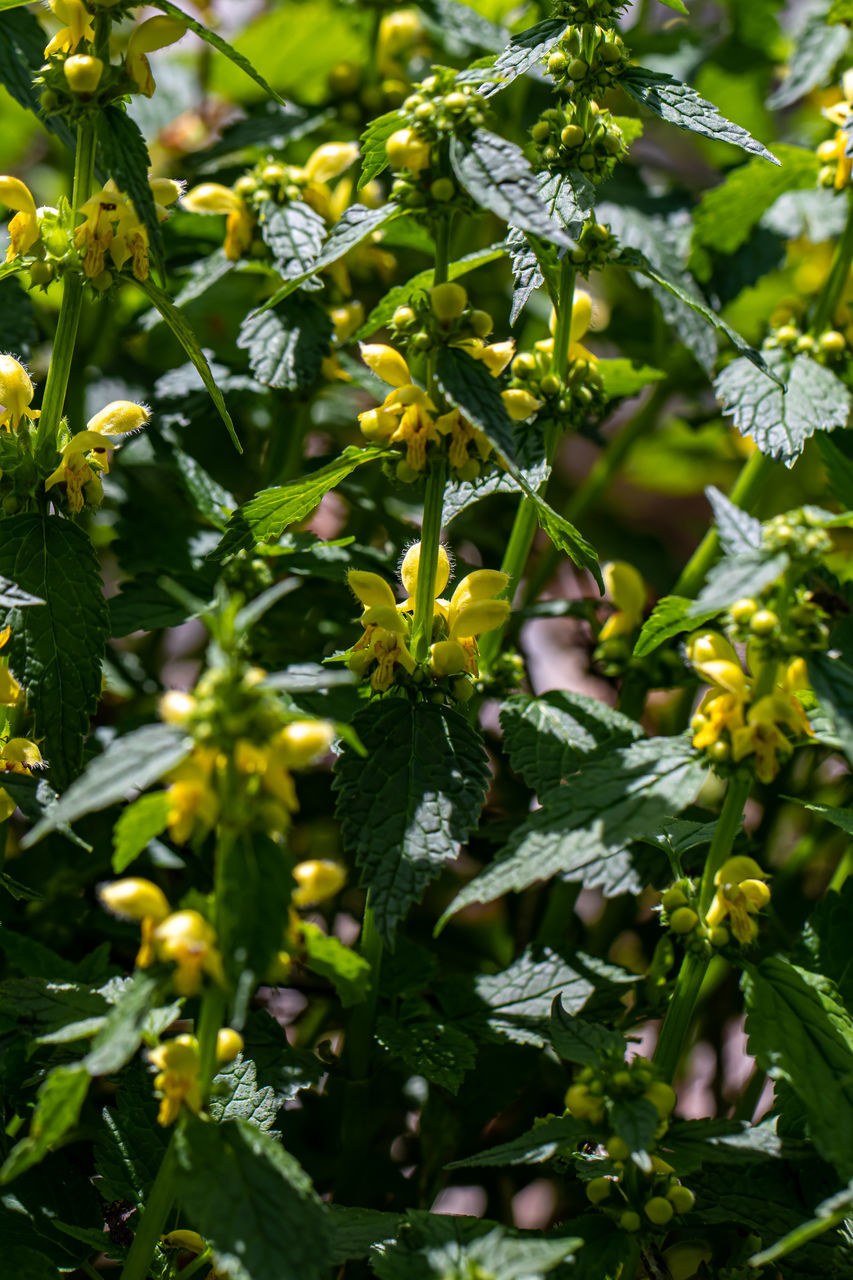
x: 447, y: 658
x: 662, y: 1097
x: 83, y: 73
x: 448, y: 301
x: 630, y: 1221
x: 406, y: 149
x: 176, y: 707
x: 520, y: 404
x: 304, y: 741
x: 443, y: 189
x: 598, y: 1189
x: 317, y: 880
x: 681, y: 1198
x: 411, y: 564
x: 617, y: 1148
x: 658, y: 1210
x: 330, y: 160
x: 386, y: 363
x: 572, y: 136
x: 229, y: 1043
x: 211, y: 197
x: 118, y: 418
x: 16, y: 389
x: 370, y: 589
x: 135, y: 899
x: 683, y: 920
x: 191, y: 1241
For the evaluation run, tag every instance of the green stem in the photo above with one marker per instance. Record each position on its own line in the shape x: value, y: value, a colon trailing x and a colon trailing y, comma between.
x: 204, y: 1259
x: 428, y: 562
x: 745, y: 493
x: 442, y: 249
x: 62, y: 354
x: 356, y: 1121
x: 563, y: 330
x: 209, y: 1026
x: 360, y: 1034
x: 679, y: 1015
x: 837, y: 278
x: 153, y: 1219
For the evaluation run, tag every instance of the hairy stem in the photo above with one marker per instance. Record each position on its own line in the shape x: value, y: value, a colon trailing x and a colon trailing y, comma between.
x: 679, y: 1015
x: 153, y: 1219
x: 64, y: 342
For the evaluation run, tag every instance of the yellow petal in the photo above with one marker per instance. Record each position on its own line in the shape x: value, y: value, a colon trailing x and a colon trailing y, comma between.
x: 581, y: 315
x: 370, y: 588
x: 625, y: 587
x: 330, y: 160
x: 211, y: 197
x: 119, y: 417
x: 477, y: 618
x: 135, y: 898
x: 411, y: 564
x: 520, y: 404
x: 386, y: 363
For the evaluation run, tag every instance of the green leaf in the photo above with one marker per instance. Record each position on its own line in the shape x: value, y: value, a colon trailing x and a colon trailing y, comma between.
x: 497, y: 176
x: 354, y: 1230
x: 839, y: 470
x: 138, y: 824
x: 690, y: 1144
x: 203, y: 274
x: 727, y: 214
x: 252, y: 1201
x: 294, y: 233
x: 253, y: 902
x: 128, y: 763
x: 546, y: 737
x: 130, y: 1147
x: 402, y: 293
x: 125, y: 156
x: 524, y: 52
x: 433, y: 1246
x: 832, y: 681
x: 557, y: 1135
x: 409, y: 803
x: 22, y: 41
x: 678, y: 5
x: 635, y: 1121
x: 268, y: 514
x: 374, y: 159
x: 354, y: 225
x: 55, y: 652
x: 680, y: 105
x: 134, y: 1015
x: 779, y: 421
x: 737, y: 576
x: 816, y: 51
x: 624, y: 377
x: 737, y: 529
x: 45, y: 1006
x: 287, y: 1071
x: 585, y: 828
x: 60, y: 1100
x: 287, y: 346
x: 238, y: 1096
x: 828, y: 1214
x: 179, y: 325
x: 441, y: 1052
x: 221, y: 46
x: 348, y: 971
x: 588, y: 1043
x: 210, y: 499
x: 12, y: 597
x: 468, y: 385
x: 516, y: 1003
x: 671, y: 616
x: 801, y: 1033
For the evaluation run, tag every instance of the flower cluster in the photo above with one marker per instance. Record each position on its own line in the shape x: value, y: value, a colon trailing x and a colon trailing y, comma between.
x: 836, y: 153
x: 587, y: 59
x: 740, y: 892
x: 579, y: 135
x: 571, y: 398
x: 383, y: 651
x: 439, y: 108
x: 731, y: 722
x: 178, y: 1066
x: 181, y: 938
x: 85, y: 454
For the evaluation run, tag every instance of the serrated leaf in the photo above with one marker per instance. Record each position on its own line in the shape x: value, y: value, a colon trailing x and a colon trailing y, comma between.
x: 203, y: 274
x: 238, y: 1096
x: 252, y: 1201
x: 497, y: 176
x: 681, y: 105
x: 55, y: 652
x: 221, y: 46
x: 287, y: 1071
x: 817, y: 48
x: 354, y: 225
x: 126, y: 1023
x: 588, y: 1043
x: 130, y: 1148
x: 584, y: 829
x: 622, y: 378
x: 348, y: 971
x: 524, y: 52
x: 671, y: 616
x: 546, y: 736
x: 211, y: 500
x: 294, y: 233
x: 781, y: 422
x: 734, y: 577
x: 801, y: 1033
x: 527, y: 274
x: 515, y: 1004
x: 270, y: 512
x: 138, y: 824
x: 737, y: 529
x: 373, y: 157
x: 402, y: 293
x: 354, y: 1230
x: 554, y: 1136
x: 438, y: 1247
x: 840, y: 11
x: 407, y: 805
x: 839, y: 470
x: 727, y: 214
x: 635, y: 1121
x: 567, y: 197
x: 129, y: 763
x: 60, y: 1100
x: 441, y: 1052
x: 460, y: 495
x: 690, y: 1144
x: 44, y: 1006
x: 22, y: 42
x: 287, y: 346
x: 460, y: 28
x: 832, y: 681
x: 179, y: 325
x: 830, y: 1213
x: 125, y: 156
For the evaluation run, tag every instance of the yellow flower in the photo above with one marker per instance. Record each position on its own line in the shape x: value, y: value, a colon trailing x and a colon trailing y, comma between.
x: 473, y: 609
x: 520, y: 404
x: 836, y: 151
x: 628, y: 592
x: 78, y: 26
x: 462, y: 433
x: 18, y: 755
x: 185, y: 939
x: 24, y: 227
x: 316, y: 880
x: 398, y: 33
x: 112, y: 225
x: 330, y: 160
x: 741, y: 894
x: 194, y: 803
x: 229, y: 1044
x: 137, y: 899
x: 178, y: 1066
x: 406, y: 149
x: 302, y: 742
x: 212, y: 197
x: 581, y: 320
x: 16, y: 393
x: 154, y: 33
x: 10, y: 691
x: 83, y: 74
x: 89, y: 451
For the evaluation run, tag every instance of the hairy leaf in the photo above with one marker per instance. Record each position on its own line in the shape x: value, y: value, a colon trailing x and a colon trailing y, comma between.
x: 432, y: 1048
x: 671, y: 616
x: 524, y: 52
x: 727, y: 214
x: 779, y: 421
x: 256, y: 882
x: 287, y: 346
x: 496, y: 174
x: 348, y: 972
x: 546, y: 737
x: 354, y: 225
x: 294, y: 233
x: 21, y: 55
x: 734, y: 577
x: 373, y: 156
x: 551, y: 1137
x: 680, y: 105
x: 832, y: 680
x: 437, y: 1247
x: 738, y: 530
x: 55, y: 651
x: 817, y: 48
x: 407, y: 806
x: 588, y: 1043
